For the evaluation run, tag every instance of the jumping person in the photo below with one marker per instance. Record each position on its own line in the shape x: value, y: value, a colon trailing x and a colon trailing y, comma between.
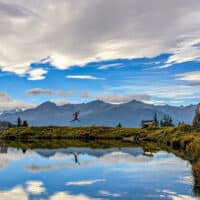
x: 76, y: 114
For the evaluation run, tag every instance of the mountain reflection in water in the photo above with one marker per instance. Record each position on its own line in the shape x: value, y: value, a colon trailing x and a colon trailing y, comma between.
x: 85, y: 174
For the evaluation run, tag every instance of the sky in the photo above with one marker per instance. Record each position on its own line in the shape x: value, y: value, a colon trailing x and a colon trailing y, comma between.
x: 71, y: 51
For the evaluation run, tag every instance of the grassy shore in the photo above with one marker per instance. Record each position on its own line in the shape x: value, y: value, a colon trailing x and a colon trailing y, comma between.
x: 184, y: 138
x: 92, y: 132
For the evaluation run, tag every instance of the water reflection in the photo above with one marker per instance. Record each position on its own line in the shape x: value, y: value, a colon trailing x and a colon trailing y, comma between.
x: 84, y: 173
x: 196, y: 175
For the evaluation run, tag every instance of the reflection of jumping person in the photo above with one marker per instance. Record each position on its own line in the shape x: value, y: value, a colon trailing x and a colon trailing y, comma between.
x: 76, y: 114
x: 76, y: 158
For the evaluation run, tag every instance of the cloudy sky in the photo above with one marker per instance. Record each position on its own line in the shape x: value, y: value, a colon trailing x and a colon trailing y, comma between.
x: 112, y: 50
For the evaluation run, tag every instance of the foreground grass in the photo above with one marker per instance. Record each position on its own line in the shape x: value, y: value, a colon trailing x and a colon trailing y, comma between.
x: 93, y: 132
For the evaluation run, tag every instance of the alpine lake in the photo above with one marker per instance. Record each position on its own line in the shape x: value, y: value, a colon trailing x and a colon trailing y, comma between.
x: 88, y: 170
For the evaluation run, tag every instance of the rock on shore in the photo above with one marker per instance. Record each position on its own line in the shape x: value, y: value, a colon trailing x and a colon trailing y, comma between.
x: 196, y: 121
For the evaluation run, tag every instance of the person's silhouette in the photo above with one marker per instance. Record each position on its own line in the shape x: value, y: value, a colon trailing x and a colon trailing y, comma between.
x: 76, y: 114
x: 76, y: 158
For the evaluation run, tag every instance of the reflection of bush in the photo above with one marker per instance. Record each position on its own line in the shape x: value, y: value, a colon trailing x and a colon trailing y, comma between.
x: 196, y: 175
x: 65, y: 143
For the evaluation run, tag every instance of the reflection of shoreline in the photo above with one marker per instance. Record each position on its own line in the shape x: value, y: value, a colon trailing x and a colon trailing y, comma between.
x: 89, y: 151
x: 109, y: 156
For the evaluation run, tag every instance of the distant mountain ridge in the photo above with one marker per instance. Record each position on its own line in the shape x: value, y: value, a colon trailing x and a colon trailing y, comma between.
x: 99, y: 113
x: 11, y: 111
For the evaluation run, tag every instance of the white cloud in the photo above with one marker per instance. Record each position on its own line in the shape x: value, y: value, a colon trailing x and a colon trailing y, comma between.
x: 7, y: 103
x: 86, y: 94
x: 37, y: 74
x: 161, y: 92
x: 190, y: 76
x: 40, y: 168
x: 120, y: 157
x: 174, y: 196
x: 109, y: 194
x: 187, y: 50
x: 188, y: 180
x: 163, y: 66
x: 89, y: 77
x: 14, y: 194
x: 41, y: 91
x: 175, y: 92
x: 94, y: 30
x: 35, y: 187
x: 118, y: 98
x: 59, y: 102
x: 107, y: 66
x: 13, y: 155
x: 67, y: 196
x: 124, y: 98
x: 182, y: 197
x: 84, y: 182
x: 20, y: 193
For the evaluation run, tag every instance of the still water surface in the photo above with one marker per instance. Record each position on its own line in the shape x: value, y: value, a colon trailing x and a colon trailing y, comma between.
x: 87, y: 174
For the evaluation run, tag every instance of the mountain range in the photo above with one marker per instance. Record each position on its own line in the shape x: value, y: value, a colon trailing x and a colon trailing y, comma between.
x: 99, y: 113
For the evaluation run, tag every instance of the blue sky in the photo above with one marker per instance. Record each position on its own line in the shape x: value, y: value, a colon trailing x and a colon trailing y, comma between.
x: 141, y: 79
x: 95, y: 50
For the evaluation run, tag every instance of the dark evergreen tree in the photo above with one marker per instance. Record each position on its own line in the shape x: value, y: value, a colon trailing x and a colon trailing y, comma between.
x: 170, y: 121
x: 25, y: 123
x: 155, y: 119
x: 19, y: 122
x: 166, y: 121
x: 119, y: 125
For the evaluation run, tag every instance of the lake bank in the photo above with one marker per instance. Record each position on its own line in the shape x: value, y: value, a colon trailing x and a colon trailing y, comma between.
x: 185, y: 138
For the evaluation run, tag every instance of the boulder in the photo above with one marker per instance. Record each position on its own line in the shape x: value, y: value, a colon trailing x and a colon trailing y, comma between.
x: 196, y: 121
